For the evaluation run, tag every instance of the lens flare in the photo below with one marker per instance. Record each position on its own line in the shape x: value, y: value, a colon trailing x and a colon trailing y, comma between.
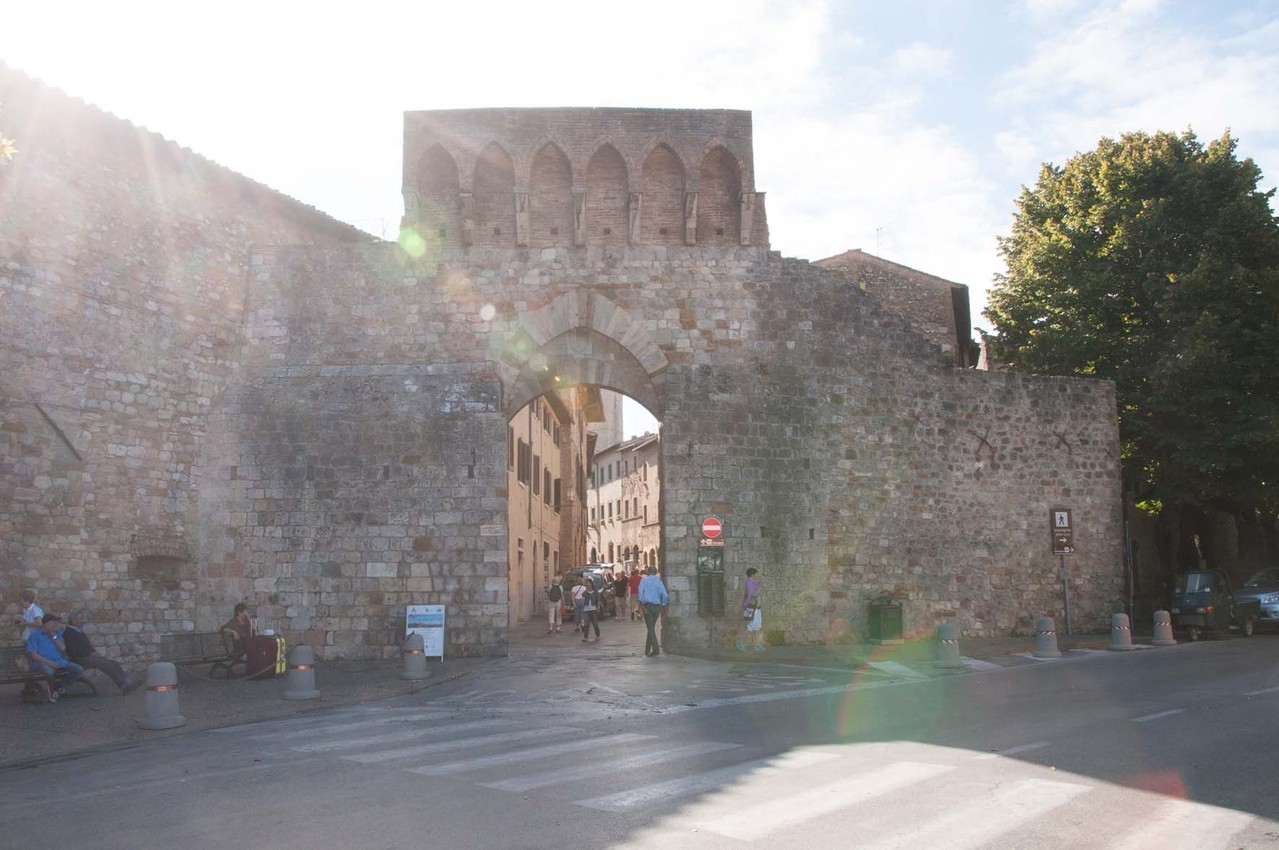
x: 411, y: 243
x: 487, y: 312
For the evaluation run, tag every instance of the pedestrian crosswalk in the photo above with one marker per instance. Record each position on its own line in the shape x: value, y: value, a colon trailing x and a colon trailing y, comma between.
x: 705, y: 792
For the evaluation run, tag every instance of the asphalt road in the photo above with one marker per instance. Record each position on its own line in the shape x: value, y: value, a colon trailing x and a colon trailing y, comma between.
x: 1167, y: 749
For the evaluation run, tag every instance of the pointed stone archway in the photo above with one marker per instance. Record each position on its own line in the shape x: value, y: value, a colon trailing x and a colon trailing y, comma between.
x: 582, y: 337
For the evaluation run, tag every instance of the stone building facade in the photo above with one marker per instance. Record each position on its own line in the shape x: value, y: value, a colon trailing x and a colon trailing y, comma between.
x: 212, y: 393
x: 546, y: 460
x: 624, y: 503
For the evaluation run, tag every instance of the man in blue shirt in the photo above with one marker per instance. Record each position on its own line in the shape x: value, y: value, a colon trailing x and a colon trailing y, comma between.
x: 49, y: 657
x: 653, y: 598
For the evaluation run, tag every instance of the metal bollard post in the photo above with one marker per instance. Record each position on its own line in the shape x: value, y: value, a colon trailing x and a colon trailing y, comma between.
x: 299, y: 681
x: 161, y: 705
x: 1163, y: 630
x: 1046, y: 639
x: 414, y: 651
x: 948, y: 646
x: 1120, y: 633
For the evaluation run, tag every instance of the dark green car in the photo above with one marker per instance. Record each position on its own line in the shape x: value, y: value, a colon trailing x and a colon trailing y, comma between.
x: 1205, y: 602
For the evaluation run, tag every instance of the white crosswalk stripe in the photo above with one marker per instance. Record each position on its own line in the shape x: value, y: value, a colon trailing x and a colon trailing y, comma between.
x: 984, y: 819
x: 410, y: 734
x: 1184, y: 825
x: 561, y: 775
x: 790, y: 810
x: 649, y: 795
x: 532, y: 754
x: 403, y: 753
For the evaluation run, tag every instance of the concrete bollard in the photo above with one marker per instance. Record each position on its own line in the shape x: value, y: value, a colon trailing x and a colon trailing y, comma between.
x: 299, y: 681
x: 414, y: 651
x: 1046, y: 639
x: 1163, y: 630
x: 948, y: 646
x: 161, y: 705
x: 1120, y: 633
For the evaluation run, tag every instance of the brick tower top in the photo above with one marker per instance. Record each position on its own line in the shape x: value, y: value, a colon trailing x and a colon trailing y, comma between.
x: 572, y: 177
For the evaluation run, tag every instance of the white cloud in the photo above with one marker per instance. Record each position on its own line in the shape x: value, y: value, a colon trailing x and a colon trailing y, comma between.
x: 921, y: 60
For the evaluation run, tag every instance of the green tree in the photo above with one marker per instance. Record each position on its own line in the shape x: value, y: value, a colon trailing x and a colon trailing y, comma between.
x: 1154, y: 261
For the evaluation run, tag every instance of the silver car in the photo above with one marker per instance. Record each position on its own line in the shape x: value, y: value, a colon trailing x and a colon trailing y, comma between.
x: 1264, y: 587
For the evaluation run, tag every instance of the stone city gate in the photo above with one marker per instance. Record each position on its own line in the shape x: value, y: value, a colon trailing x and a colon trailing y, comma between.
x: 337, y: 449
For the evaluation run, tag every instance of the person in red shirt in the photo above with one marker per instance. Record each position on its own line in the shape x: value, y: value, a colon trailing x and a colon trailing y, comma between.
x: 632, y: 591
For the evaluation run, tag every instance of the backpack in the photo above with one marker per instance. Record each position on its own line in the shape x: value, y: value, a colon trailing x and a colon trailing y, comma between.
x: 553, y: 593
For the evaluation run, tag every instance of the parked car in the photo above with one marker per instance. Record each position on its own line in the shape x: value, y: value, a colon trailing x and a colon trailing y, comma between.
x: 1263, y: 587
x: 1204, y: 602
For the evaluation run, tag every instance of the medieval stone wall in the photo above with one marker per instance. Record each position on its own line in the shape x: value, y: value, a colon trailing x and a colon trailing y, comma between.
x: 123, y: 264
x: 189, y: 418
x: 845, y: 456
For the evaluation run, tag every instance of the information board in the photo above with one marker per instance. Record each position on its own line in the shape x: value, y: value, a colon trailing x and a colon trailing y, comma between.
x: 427, y: 621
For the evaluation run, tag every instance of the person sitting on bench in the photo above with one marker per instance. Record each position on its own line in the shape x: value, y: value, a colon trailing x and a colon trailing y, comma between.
x: 239, y: 629
x: 81, y: 651
x: 49, y: 657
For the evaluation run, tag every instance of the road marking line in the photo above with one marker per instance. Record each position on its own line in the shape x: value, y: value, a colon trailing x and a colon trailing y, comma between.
x: 392, y: 737
x: 782, y: 812
x: 1012, y: 751
x: 526, y: 755
x: 973, y: 824
x: 978, y: 664
x: 558, y: 775
x: 598, y: 686
x: 313, y: 728
x: 461, y: 744
x: 710, y: 781
x: 893, y: 668
x: 1184, y: 825
x: 1259, y: 693
x: 1158, y: 714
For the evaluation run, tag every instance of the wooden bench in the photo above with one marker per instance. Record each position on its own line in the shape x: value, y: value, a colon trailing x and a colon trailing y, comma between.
x: 213, y: 648
x: 15, y: 668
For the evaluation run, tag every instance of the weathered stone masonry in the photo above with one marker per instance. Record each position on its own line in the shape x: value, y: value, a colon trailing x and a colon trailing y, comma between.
x: 321, y: 428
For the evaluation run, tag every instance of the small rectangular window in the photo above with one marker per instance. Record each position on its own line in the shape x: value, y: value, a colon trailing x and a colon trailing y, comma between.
x: 537, y: 462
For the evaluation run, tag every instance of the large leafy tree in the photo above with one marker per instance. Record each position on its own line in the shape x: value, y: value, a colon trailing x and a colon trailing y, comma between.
x: 1154, y: 261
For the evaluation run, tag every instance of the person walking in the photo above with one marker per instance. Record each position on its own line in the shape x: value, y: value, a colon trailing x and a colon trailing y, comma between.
x: 554, y: 598
x: 653, y: 598
x: 579, y: 588
x: 752, y: 614
x: 80, y: 650
x: 620, y: 586
x: 590, y: 611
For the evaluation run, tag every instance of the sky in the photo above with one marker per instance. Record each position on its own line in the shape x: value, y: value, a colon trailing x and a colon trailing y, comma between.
x: 906, y: 129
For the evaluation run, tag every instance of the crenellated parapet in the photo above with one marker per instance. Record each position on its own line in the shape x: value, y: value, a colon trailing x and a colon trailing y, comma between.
x: 506, y: 178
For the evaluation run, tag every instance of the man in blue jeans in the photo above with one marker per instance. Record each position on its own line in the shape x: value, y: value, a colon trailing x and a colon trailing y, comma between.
x: 653, y: 598
x: 49, y: 657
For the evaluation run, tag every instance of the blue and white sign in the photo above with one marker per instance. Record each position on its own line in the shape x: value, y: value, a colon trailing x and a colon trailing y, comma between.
x: 427, y: 621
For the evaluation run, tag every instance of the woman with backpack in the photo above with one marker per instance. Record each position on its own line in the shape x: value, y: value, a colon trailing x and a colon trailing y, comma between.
x: 590, y: 601
x: 554, y: 596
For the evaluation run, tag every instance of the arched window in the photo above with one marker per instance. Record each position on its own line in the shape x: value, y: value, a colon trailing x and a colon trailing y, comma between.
x: 662, y: 182
x: 493, y: 193
x: 719, y: 214
x: 438, y: 215
x: 607, y: 219
x: 551, y: 197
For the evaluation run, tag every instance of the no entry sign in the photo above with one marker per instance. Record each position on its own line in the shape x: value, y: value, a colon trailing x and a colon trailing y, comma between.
x: 711, y: 527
